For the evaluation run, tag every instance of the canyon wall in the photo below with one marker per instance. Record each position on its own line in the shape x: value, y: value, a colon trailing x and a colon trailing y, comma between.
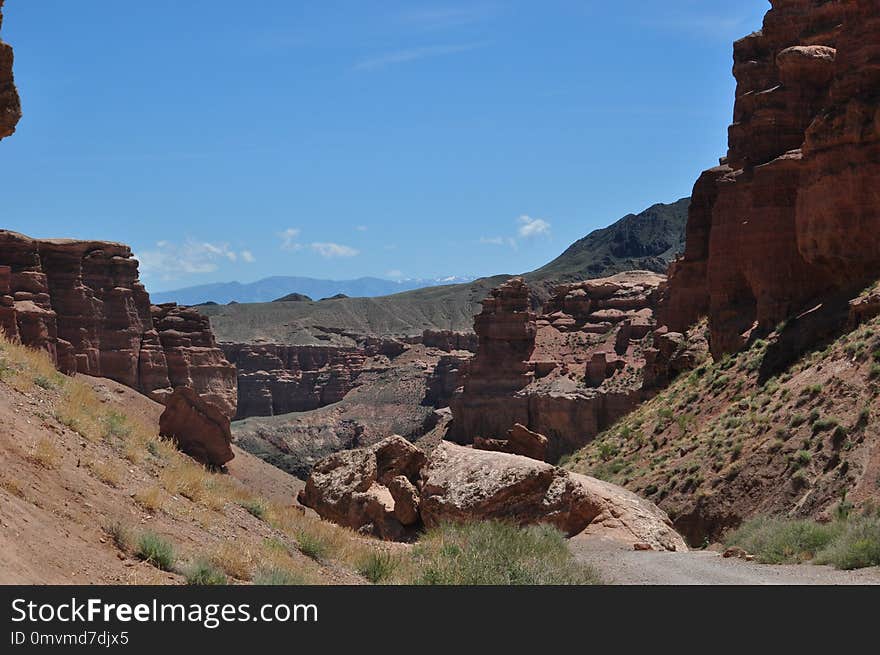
x: 10, y: 106
x: 791, y: 216
x: 566, y: 373
x: 82, y: 302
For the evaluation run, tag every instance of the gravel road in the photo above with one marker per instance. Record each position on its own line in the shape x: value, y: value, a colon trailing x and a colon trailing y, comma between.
x: 618, y: 565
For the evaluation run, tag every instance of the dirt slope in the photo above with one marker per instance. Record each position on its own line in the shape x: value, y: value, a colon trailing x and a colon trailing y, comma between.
x: 78, y: 456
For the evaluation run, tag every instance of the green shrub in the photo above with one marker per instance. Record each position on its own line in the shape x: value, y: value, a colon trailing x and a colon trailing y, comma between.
x: 203, y: 573
x: 378, y: 566
x: 157, y: 551
x: 312, y: 546
x: 44, y: 382
x: 783, y: 541
x: 120, y: 535
x: 116, y: 425
x: 857, y: 547
x: 256, y: 508
x: 496, y: 553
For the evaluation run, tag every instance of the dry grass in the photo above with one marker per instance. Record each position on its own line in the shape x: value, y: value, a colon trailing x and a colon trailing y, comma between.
x: 151, y: 499
x: 11, y: 486
x: 81, y: 411
x: 45, y: 453
x: 107, y: 473
x: 236, y: 560
x: 25, y: 368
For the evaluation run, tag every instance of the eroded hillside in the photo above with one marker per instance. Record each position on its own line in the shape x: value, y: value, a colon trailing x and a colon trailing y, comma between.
x: 725, y: 443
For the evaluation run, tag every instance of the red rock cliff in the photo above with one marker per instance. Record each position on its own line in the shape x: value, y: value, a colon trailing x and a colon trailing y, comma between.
x: 82, y: 301
x: 793, y: 213
x: 10, y: 107
x: 566, y: 373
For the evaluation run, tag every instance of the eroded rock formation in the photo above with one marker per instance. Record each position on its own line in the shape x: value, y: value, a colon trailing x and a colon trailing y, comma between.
x: 791, y: 216
x: 197, y: 426
x: 10, y: 106
x: 390, y: 489
x: 82, y: 301
x: 278, y: 379
x: 567, y: 373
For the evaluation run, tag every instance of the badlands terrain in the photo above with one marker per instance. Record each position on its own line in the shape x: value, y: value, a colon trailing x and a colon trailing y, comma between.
x: 689, y: 396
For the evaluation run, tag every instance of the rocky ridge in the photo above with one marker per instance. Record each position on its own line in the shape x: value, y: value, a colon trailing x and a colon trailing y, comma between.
x: 82, y: 302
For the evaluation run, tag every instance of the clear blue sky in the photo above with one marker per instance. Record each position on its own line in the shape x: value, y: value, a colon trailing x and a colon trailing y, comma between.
x: 235, y: 140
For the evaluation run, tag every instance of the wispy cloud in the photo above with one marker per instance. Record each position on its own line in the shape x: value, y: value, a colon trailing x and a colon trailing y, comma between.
x: 361, y: 228
x: 499, y: 241
x: 289, y: 239
x: 414, y: 54
x: 446, y: 17
x: 530, y: 228
x: 331, y: 250
x: 169, y: 260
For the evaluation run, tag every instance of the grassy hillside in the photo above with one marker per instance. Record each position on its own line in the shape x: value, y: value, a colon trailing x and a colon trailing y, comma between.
x: 723, y: 444
x: 647, y: 241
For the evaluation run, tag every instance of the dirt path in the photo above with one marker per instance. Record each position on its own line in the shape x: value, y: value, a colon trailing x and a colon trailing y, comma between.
x: 618, y: 565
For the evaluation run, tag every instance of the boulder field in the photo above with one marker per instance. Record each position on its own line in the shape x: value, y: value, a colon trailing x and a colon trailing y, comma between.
x: 392, y: 490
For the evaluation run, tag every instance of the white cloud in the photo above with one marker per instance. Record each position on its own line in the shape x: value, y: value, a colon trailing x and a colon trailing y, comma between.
x: 532, y: 227
x: 247, y: 256
x: 413, y: 54
x: 330, y: 250
x: 288, y: 239
x: 361, y: 228
x: 169, y: 260
x: 394, y: 274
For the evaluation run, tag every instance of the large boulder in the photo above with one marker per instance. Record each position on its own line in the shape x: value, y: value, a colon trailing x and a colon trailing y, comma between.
x: 463, y: 484
x: 371, y: 489
x: 199, y: 427
x: 628, y: 518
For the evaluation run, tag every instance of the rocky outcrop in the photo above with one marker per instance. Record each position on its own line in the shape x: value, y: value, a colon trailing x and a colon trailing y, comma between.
x: 792, y: 214
x: 10, y: 106
x: 520, y: 441
x: 372, y: 490
x: 389, y: 489
x: 193, y: 358
x: 197, y: 426
x: 82, y: 302
x: 566, y: 373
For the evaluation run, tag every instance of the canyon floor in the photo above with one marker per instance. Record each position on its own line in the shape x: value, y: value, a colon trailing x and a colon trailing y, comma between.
x: 618, y: 565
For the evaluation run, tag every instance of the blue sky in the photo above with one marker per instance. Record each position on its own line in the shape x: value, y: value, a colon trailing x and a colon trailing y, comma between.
x: 232, y: 141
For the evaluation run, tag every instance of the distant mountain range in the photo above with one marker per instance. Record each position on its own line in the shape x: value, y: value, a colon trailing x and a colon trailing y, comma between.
x: 272, y: 288
x: 645, y: 241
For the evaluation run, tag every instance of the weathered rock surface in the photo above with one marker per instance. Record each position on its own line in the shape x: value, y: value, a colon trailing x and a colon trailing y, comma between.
x: 197, y: 426
x: 362, y: 488
x: 626, y: 517
x: 276, y: 379
x: 566, y: 373
x: 462, y: 484
x: 10, y: 106
x: 792, y: 214
x: 82, y: 301
x: 390, y: 488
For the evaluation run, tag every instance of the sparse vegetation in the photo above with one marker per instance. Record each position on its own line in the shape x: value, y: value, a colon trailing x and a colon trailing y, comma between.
x: 203, y: 573
x: 495, y: 553
x: 45, y: 453
x: 278, y: 577
x: 155, y: 550
x: 378, y: 566
x: 312, y: 545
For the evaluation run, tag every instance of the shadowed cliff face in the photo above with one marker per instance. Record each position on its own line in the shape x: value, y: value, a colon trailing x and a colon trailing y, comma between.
x: 10, y: 107
x: 791, y: 216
